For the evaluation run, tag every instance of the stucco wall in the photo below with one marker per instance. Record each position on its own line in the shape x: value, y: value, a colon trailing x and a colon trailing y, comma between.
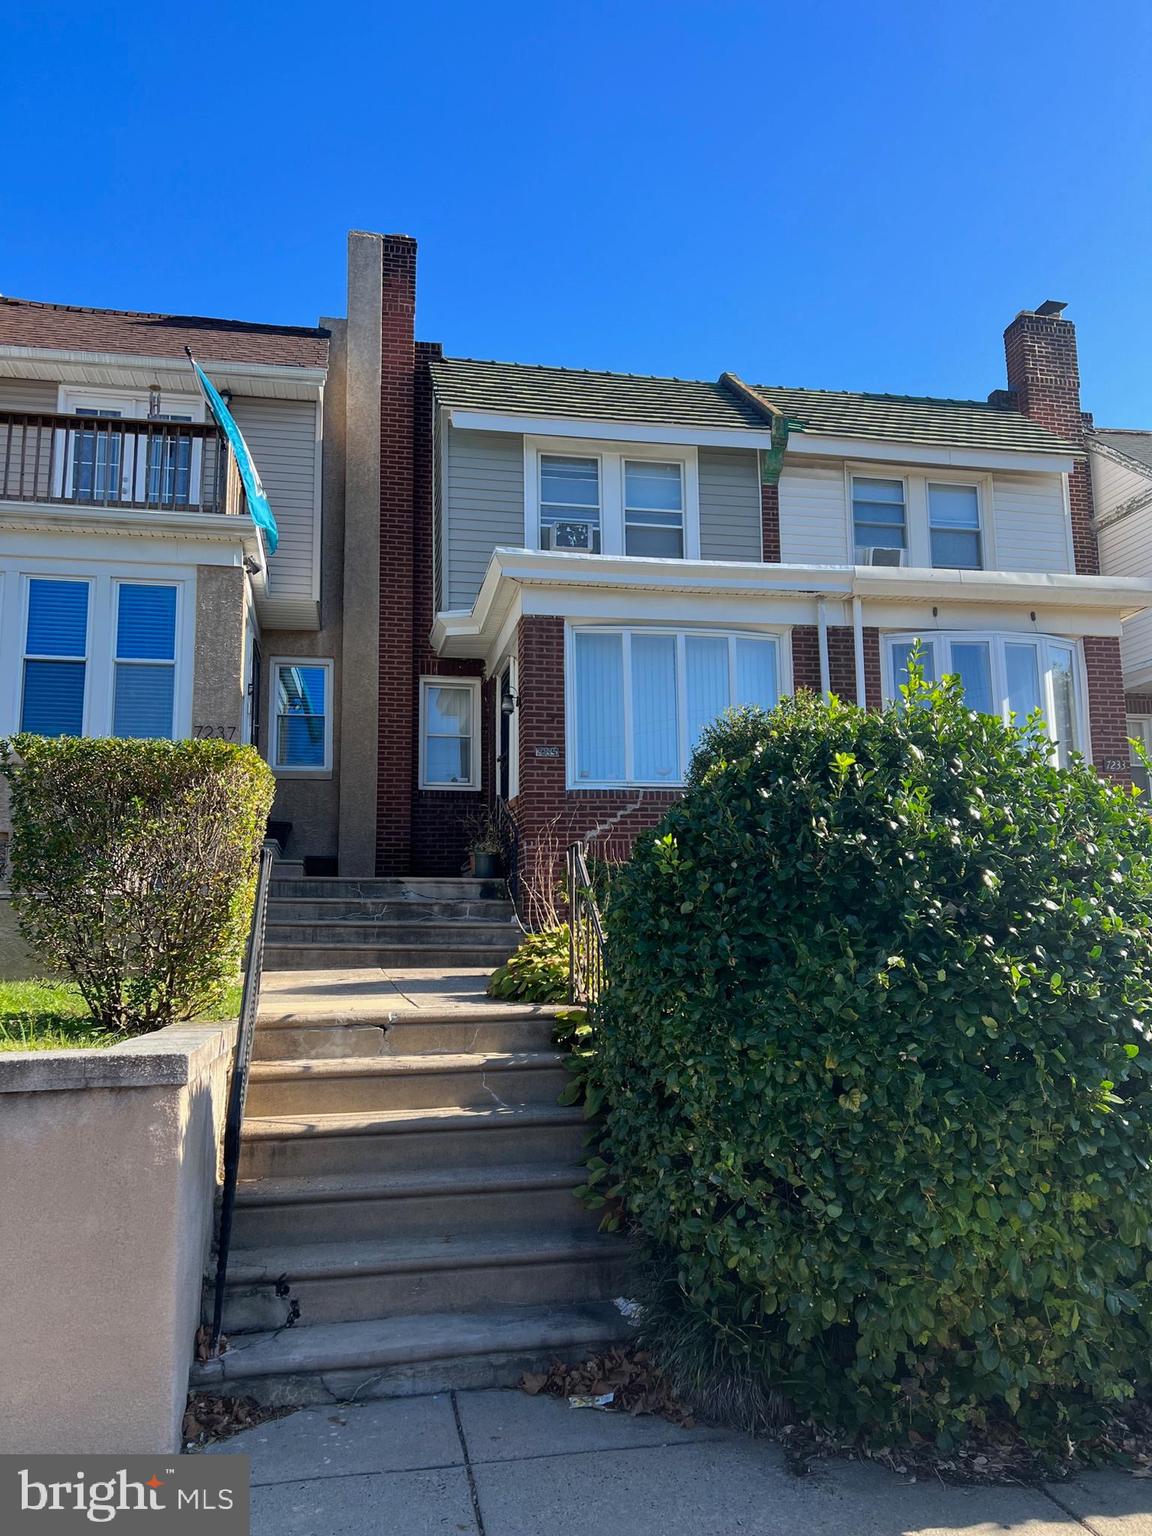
x: 110, y: 1163
x: 218, y: 681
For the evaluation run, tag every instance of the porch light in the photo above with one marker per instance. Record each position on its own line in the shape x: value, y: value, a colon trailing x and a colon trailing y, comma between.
x: 153, y: 401
x: 509, y: 703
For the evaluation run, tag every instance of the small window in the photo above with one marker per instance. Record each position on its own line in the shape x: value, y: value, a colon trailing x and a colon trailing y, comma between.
x: 449, y: 734
x: 1140, y: 731
x: 954, y: 525
x: 55, y: 658
x: 653, y: 509
x: 878, y: 514
x: 302, y: 727
x: 144, y: 691
x: 570, y: 503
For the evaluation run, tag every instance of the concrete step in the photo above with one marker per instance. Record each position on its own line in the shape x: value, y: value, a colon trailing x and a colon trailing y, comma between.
x: 407, y: 1356
x: 351, y: 1282
x: 304, y: 1146
x: 316, y: 1042
x: 344, y: 957
x: 392, y: 888
x: 364, y: 909
x: 453, y: 1203
x: 370, y: 1083
x: 466, y: 933
x: 410, y: 1032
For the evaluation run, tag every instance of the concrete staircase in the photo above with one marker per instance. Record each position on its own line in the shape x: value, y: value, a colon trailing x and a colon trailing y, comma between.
x: 341, y: 924
x: 405, y: 1219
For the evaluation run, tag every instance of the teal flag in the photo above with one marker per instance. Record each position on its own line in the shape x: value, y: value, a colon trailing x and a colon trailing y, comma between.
x: 257, y: 500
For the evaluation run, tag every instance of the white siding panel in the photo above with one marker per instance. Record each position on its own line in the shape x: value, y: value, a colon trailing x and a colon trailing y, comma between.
x: 1136, y: 647
x: 729, y: 504
x: 1113, y: 484
x: 483, y: 505
x: 813, y: 514
x: 1031, y: 525
x: 28, y: 395
x: 1125, y: 545
x: 282, y: 437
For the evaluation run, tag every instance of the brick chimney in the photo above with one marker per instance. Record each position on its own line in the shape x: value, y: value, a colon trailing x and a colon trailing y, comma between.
x: 1044, y: 383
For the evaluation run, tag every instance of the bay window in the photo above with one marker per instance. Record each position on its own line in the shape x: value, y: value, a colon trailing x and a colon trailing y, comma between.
x: 1007, y: 675
x: 639, y: 699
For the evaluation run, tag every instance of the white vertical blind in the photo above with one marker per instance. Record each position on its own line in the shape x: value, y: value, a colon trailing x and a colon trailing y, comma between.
x: 655, y: 736
x: 600, y: 707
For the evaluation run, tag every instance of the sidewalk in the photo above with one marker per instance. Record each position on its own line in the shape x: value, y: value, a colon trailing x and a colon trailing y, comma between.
x: 503, y: 1464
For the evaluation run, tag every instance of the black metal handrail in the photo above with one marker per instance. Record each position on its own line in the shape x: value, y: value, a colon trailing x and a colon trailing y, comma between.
x: 509, y: 836
x: 238, y: 1086
x: 587, y: 973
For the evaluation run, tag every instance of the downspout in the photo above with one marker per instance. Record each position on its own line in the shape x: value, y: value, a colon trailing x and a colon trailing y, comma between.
x: 822, y: 636
x: 858, y: 649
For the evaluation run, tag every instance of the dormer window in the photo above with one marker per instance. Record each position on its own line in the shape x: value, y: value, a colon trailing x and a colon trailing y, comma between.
x: 653, y: 509
x: 570, y: 503
x: 878, y: 518
x: 954, y: 526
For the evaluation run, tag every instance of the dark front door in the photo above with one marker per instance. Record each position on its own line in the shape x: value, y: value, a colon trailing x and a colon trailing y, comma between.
x: 504, y: 754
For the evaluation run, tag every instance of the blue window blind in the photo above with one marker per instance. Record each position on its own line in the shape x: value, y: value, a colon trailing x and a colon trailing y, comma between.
x: 301, y: 708
x: 52, y: 698
x: 145, y: 687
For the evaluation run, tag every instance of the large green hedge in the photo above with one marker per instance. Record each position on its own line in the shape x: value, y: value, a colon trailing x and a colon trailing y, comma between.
x: 133, y: 866
x: 874, y: 1068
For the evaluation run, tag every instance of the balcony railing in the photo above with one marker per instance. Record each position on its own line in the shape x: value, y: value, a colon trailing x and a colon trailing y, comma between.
x: 109, y: 461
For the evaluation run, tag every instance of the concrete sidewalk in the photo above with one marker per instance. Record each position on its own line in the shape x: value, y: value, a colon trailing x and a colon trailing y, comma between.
x: 503, y: 1464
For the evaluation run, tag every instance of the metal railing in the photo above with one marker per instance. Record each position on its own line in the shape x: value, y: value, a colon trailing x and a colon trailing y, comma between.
x: 509, y: 849
x: 238, y: 1087
x: 587, y: 975
x: 115, y: 461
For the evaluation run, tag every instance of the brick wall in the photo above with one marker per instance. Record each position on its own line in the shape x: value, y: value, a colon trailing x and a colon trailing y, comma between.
x: 1044, y: 380
x: 841, y: 661
x: 770, y: 522
x: 1107, y: 709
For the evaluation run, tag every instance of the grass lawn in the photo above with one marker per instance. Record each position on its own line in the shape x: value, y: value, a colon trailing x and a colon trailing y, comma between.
x: 52, y: 1016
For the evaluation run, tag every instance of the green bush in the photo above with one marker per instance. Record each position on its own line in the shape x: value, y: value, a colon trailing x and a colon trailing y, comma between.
x: 875, y: 1071
x: 538, y: 970
x: 133, y: 866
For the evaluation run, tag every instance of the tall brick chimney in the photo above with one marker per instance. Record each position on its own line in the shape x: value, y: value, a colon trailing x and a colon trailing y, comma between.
x: 1044, y: 383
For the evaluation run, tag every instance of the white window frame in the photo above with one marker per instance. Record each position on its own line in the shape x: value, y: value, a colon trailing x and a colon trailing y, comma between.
x: 917, y: 532
x: 981, y: 521
x: 779, y: 636
x: 996, y: 640
x: 114, y: 660
x: 299, y: 770
x: 1138, y: 727
x: 99, y: 676
x: 511, y: 664
x: 476, y: 759
x: 611, y: 457
x: 26, y: 655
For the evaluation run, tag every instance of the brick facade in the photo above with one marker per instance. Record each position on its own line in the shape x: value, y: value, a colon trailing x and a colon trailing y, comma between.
x: 1107, y: 711
x: 841, y: 662
x: 1044, y: 382
x: 770, y: 523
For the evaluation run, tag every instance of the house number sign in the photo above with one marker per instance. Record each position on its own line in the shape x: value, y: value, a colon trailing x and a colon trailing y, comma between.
x: 547, y: 751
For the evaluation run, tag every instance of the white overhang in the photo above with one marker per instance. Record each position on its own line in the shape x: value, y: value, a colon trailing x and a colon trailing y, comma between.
x: 277, y: 381
x: 610, y: 431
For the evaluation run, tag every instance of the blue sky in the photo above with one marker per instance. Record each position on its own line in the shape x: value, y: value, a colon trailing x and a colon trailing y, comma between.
x: 836, y: 195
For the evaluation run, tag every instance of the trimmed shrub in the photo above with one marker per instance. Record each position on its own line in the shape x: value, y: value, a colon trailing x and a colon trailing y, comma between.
x: 875, y: 1073
x: 537, y: 972
x: 133, y: 867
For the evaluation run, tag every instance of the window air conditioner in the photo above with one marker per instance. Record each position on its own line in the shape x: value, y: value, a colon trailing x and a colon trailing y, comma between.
x: 874, y: 555
x: 569, y: 535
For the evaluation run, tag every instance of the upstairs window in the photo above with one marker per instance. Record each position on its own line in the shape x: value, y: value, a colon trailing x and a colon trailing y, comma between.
x: 879, y: 519
x: 954, y: 526
x: 144, y: 688
x: 1006, y: 675
x: 55, y: 658
x: 653, y: 509
x: 302, y: 724
x: 570, y: 503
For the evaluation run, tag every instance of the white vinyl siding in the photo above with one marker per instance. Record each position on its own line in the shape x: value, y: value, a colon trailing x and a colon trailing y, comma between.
x: 281, y: 435
x: 1031, y: 523
x: 729, y: 504
x: 814, y: 519
x: 29, y: 395
x: 483, y: 506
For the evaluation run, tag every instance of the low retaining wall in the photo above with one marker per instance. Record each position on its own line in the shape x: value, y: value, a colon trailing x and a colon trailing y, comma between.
x: 109, y: 1166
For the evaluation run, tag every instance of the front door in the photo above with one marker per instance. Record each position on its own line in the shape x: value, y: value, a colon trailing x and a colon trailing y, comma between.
x: 504, y: 754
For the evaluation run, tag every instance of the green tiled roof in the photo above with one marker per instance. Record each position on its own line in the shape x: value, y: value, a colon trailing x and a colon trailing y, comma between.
x: 913, y: 419
x: 465, y: 384
x: 526, y: 389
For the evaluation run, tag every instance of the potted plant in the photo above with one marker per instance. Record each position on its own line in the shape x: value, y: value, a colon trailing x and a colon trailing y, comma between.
x: 484, y: 845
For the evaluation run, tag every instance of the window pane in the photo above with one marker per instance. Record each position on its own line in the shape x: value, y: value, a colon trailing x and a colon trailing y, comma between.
x: 878, y: 513
x: 53, y: 701
x: 956, y: 550
x: 448, y: 711
x: 953, y: 506
x: 1063, y: 702
x: 656, y: 756
x: 872, y: 536
x: 448, y: 760
x: 570, y: 482
x: 653, y: 485
x: 301, y: 690
x: 705, y: 682
x: 300, y: 741
x: 756, y: 673
x: 599, y: 707
x: 878, y: 490
x: 143, y: 701
x: 658, y: 543
x: 146, y: 624
x: 1023, y: 669
x: 57, y: 618
x: 901, y: 651
x: 972, y: 664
